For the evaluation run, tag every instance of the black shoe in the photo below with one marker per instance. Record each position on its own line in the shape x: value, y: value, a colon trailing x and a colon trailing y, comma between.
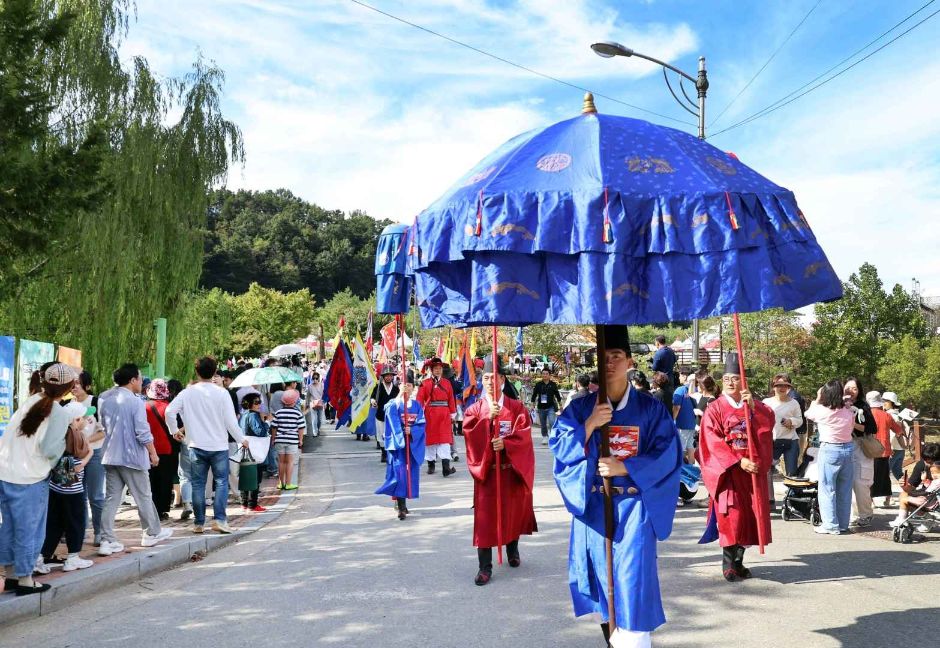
x: 9, y: 584
x: 483, y: 576
x: 37, y: 588
x: 378, y: 446
x: 401, y: 514
x: 514, y: 560
x: 383, y: 458
x: 430, y: 467
x: 446, y: 470
x: 164, y: 516
x: 739, y: 568
x: 455, y: 458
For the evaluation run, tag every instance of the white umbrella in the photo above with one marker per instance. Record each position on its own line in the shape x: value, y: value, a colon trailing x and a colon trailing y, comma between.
x: 283, y: 350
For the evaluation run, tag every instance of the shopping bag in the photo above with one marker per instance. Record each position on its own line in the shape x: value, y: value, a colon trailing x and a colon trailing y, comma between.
x: 247, y: 472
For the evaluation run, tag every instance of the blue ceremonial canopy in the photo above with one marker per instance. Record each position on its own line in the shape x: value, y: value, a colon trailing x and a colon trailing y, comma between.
x: 611, y: 220
x: 393, y: 277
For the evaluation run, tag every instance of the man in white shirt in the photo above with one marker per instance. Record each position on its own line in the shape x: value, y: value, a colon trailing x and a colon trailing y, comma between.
x: 209, y: 419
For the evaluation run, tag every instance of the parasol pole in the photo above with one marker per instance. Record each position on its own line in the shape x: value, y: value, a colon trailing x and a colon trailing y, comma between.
x: 495, y: 433
x: 400, y: 322
x: 608, y: 489
x: 761, y: 500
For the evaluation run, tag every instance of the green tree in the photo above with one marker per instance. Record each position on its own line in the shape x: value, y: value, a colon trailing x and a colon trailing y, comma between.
x: 910, y: 369
x: 264, y: 318
x: 773, y: 342
x: 200, y: 325
x: 850, y: 335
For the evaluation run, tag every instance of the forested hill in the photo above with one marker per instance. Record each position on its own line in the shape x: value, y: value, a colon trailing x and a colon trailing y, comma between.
x: 280, y: 241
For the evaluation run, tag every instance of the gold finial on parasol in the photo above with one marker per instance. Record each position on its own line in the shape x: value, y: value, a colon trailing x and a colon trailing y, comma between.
x: 588, y: 106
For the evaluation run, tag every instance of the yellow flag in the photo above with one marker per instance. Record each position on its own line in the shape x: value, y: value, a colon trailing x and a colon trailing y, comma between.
x: 473, y: 344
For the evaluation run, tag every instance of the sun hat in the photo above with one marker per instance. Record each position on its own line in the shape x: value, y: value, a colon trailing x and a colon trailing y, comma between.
x: 59, y: 374
x: 290, y: 397
x: 158, y: 390
x: 873, y: 398
x: 891, y: 396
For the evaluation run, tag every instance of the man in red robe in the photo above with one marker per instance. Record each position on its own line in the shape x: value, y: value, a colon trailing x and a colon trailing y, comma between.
x: 436, y: 396
x: 727, y: 470
x: 499, y: 437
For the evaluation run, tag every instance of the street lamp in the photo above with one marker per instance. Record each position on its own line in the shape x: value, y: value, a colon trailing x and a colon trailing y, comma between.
x: 610, y: 49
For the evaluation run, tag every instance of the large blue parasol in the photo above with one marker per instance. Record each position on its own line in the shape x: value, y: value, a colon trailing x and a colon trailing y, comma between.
x: 393, y: 277
x: 611, y: 220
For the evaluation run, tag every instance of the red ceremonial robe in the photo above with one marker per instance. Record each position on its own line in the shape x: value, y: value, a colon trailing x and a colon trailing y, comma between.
x: 722, y: 444
x: 437, y: 399
x: 517, y: 471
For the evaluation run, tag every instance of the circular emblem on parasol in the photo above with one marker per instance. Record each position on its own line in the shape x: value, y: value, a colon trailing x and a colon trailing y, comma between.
x: 554, y: 162
x: 721, y: 165
x: 477, y: 177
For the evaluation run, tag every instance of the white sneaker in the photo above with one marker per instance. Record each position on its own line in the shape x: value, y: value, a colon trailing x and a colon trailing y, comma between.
x: 825, y: 531
x: 896, y: 522
x: 151, y: 540
x: 76, y: 562
x: 925, y: 527
x: 41, y: 567
x: 109, y: 547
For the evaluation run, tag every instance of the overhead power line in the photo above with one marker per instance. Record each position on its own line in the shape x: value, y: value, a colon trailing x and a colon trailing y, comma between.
x: 514, y: 64
x: 767, y: 62
x: 793, y: 96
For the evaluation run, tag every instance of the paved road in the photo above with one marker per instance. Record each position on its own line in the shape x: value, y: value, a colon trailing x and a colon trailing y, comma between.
x: 339, y: 569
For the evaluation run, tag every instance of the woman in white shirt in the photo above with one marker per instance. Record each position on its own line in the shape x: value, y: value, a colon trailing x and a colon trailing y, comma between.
x: 788, y: 418
x: 834, y: 424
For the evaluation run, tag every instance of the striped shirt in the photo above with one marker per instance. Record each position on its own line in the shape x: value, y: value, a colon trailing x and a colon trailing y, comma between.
x: 289, y: 422
x: 75, y: 488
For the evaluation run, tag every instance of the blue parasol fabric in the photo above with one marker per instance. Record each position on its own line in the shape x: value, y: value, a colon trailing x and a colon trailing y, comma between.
x: 611, y: 220
x: 393, y: 276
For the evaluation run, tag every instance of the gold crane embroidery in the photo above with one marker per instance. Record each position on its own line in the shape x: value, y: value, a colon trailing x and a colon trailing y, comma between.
x: 813, y: 268
x: 497, y: 288
x: 701, y: 219
x: 781, y: 279
x: 506, y: 229
x: 760, y: 232
x: 625, y: 288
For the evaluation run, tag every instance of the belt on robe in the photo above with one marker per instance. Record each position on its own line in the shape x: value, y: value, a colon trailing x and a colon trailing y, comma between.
x: 505, y: 466
x: 438, y: 404
x: 615, y: 490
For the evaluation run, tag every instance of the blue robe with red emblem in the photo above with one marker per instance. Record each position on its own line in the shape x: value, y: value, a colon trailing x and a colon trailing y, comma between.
x: 644, y: 436
x: 396, y: 447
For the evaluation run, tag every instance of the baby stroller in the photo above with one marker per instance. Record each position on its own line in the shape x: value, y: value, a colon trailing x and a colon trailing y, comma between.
x: 926, y: 514
x: 802, y: 499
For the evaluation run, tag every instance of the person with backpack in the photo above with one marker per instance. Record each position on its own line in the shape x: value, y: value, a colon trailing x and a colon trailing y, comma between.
x: 67, y: 512
x: 165, y: 472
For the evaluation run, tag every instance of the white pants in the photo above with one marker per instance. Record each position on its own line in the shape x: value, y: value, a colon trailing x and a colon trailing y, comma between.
x: 437, y: 451
x: 861, y: 485
x: 380, y: 432
x: 630, y: 639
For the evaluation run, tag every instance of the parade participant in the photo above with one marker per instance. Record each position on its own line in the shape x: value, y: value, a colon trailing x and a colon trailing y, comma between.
x: 547, y: 401
x: 644, y: 466
x: 727, y: 470
x: 502, y: 429
x: 403, y: 435
x: 384, y: 393
x: 437, y: 398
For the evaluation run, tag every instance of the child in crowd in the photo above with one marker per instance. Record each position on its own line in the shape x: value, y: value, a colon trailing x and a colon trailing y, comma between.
x: 67, y: 509
x: 287, y: 431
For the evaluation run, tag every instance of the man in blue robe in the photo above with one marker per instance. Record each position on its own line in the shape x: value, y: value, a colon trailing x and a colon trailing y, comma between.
x: 644, y: 467
x: 404, y: 442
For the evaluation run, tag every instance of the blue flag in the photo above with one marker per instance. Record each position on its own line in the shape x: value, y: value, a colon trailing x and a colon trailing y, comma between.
x: 519, y: 342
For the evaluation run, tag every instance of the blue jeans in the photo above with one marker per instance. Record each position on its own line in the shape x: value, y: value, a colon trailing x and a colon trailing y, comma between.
x: 24, y: 508
x: 186, y: 477
x: 546, y: 420
x: 789, y: 449
x: 896, y: 462
x: 317, y: 417
x: 836, y: 475
x: 202, y: 462
x: 94, y: 489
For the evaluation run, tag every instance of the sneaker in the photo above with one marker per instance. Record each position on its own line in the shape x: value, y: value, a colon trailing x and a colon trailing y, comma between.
x: 924, y: 527
x: 198, y: 528
x: 221, y: 527
x: 258, y: 508
x: 544, y: 440
x: 107, y: 548
x: 151, y: 540
x: 41, y: 567
x: 896, y: 522
x: 863, y: 522
x: 187, y: 512
x: 824, y: 531
x: 291, y: 487
x: 76, y: 562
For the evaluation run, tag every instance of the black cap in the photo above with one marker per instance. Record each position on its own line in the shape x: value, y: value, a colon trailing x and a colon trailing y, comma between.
x: 488, y: 365
x: 388, y: 370
x: 617, y: 337
x: 731, y: 364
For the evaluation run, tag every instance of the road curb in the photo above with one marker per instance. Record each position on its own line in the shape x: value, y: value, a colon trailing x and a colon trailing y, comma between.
x: 133, y: 566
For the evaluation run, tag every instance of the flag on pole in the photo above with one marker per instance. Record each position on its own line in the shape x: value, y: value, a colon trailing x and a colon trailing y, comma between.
x: 389, y: 334
x: 519, y: 351
x: 322, y: 343
x: 467, y: 373
x: 338, y: 383
x: 416, y: 350
x: 363, y: 382
x: 369, y: 334
x: 473, y: 344
x: 440, y: 346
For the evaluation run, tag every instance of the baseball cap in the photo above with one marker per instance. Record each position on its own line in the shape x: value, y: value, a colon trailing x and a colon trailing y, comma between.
x: 59, y: 374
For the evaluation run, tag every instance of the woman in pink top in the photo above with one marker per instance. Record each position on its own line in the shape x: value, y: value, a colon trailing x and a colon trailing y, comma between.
x: 834, y: 423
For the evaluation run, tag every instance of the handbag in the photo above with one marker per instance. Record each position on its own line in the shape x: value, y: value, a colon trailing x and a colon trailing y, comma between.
x: 247, y: 472
x: 871, y: 446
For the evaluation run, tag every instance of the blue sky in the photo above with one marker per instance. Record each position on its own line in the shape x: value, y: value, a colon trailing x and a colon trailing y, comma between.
x: 352, y: 110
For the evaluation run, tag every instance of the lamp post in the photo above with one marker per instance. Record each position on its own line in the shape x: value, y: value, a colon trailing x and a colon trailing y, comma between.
x: 609, y: 49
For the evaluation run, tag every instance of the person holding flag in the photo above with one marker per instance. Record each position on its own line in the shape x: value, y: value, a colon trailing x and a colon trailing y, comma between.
x: 436, y: 396
x: 728, y: 469
x: 643, y: 468
x: 502, y: 503
x: 404, y: 431
x: 382, y: 395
